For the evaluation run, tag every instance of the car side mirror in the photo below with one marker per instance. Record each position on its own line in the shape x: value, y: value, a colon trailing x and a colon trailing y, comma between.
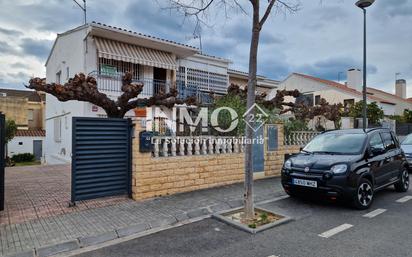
x: 376, y: 151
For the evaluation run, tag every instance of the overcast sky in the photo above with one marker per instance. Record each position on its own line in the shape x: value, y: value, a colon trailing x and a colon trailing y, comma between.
x: 323, y: 39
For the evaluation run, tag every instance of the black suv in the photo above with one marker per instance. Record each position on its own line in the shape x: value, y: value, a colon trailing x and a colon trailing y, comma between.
x: 348, y: 164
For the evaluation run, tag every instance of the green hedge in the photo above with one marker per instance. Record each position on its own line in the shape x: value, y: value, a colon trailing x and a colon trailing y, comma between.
x: 23, y: 157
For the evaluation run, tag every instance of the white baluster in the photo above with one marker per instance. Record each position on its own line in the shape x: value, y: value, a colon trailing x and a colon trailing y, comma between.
x: 181, y: 146
x: 204, y: 146
x: 236, y: 145
x: 197, y: 146
x: 210, y: 146
x: 165, y: 147
x: 173, y: 146
x: 156, y: 147
x: 189, y: 146
x: 229, y: 144
x: 217, y: 146
x: 224, y: 145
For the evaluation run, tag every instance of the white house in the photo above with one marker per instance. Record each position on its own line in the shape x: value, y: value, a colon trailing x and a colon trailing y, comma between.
x: 27, y: 141
x: 314, y: 89
x: 107, y: 52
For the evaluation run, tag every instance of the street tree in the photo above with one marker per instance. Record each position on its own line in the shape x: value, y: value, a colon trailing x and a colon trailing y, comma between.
x: 84, y: 88
x: 261, y: 10
x: 374, y: 112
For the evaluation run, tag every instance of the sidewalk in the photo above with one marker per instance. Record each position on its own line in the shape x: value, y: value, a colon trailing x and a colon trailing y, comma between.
x: 73, y: 230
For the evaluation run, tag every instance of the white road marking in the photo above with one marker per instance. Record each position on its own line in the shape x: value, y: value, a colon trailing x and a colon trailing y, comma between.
x: 336, y: 230
x: 374, y: 213
x: 404, y: 199
x: 273, y: 256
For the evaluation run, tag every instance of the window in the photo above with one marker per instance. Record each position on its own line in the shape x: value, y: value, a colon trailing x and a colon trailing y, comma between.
x: 58, y: 77
x: 110, y: 67
x: 305, y: 100
x: 337, y: 143
x: 317, y: 100
x: 20, y: 143
x: 30, y: 114
x: 347, y: 103
x: 202, y: 80
x: 388, y: 141
x: 376, y: 142
x: 57, y: 129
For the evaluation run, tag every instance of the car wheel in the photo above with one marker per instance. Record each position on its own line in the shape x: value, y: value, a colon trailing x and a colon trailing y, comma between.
x: 403, y: 184
x: 364, y: 195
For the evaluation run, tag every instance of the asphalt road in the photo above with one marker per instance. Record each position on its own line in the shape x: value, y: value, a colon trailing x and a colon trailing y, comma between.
x: 319, y: 229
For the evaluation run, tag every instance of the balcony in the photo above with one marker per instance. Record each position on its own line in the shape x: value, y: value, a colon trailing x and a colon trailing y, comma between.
x: 202, y: 97
x: 111, y: 84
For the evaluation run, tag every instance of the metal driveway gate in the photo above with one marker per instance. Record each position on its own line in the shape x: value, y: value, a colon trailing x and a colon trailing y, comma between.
x: 101, y: 157
x: 2, y: 158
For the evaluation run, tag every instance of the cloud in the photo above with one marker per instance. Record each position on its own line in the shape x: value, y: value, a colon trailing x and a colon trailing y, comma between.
x: 7, y: 49
x: 20, y: 65
x: 38, y: 48
x: 10, y: 32
x: 333, y: 68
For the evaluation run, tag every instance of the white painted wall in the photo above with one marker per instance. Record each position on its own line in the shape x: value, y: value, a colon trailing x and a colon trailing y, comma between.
x: 69, y: 51
x: 22, y: 145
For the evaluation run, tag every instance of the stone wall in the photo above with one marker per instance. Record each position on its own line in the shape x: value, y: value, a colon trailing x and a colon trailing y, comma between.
x: 153, y: 177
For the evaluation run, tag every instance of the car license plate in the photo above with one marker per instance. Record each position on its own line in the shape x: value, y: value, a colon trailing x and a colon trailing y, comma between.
x: 304, y: 182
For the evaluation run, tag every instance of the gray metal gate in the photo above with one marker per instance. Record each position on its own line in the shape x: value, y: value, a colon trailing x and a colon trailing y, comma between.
x: 2, y: 158
x: 101, y: 157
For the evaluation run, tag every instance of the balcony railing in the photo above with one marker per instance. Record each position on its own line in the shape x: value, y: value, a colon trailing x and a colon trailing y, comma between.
x: 190, y: 91
x: 112, y: 83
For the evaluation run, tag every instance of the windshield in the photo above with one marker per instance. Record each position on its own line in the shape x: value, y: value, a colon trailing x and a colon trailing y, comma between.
x: 336, y: 143
x: 407, y: 140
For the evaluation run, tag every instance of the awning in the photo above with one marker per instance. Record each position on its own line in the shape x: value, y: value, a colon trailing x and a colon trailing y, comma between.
x: 120, y: 51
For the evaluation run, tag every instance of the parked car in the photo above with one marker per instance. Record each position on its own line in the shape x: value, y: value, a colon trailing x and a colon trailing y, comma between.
x: 348, y: 164
x: 406, y: 146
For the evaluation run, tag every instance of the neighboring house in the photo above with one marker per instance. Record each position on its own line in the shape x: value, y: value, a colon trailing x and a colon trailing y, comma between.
x: 264, y: 85
x: 313, y: 89
x: 402, y: 103
x: 25, y: 107
x: 107, y: 52
x: 27, y: 141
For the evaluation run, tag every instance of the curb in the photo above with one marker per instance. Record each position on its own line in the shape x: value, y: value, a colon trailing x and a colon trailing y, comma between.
x: 90, y: 243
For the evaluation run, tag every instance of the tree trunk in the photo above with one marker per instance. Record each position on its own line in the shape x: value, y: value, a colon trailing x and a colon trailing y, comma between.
x: 248, y: 196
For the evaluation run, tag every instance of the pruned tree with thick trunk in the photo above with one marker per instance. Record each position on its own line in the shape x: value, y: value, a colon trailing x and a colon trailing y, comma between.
x: 84, y: 88
x: 200, y: 10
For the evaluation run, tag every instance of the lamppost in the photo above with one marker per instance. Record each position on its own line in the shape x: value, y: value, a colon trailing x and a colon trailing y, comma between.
x: 363, y: 4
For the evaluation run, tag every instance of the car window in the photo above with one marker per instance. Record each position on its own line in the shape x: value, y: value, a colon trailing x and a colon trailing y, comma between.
x: 388, y: 141
x: 376, y: 142
x: 337, y: 143
x: 407, y: 140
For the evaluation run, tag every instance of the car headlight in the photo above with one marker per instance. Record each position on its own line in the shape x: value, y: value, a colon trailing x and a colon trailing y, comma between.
x: 288, y: 165
x: 339, y: 168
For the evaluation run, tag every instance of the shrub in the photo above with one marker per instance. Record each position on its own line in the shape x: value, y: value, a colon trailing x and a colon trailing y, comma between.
x: 23, y: 157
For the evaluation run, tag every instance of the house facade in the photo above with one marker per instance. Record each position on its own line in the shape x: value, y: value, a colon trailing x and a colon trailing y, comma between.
x: 264, y: 84
x: 313, y: 89
x: 27, y: 109
x: 106, y: 53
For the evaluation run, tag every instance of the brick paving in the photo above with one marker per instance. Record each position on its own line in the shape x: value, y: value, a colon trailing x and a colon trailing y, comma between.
x: 97, y: 217
x: 33, y: 192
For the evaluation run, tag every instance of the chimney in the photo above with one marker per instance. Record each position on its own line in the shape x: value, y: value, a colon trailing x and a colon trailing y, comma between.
x: 400, y: 88
x: 354, y: 77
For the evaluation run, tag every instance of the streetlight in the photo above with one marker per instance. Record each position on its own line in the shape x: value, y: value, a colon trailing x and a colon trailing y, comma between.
x: 363, y: 4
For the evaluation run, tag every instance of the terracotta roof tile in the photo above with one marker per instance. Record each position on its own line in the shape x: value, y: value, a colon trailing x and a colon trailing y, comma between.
x: 343, y: 87
x: 31, y: 133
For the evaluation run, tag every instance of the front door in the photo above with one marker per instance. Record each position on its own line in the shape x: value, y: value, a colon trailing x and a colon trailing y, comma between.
x: 159, y: 80
x: 37, y: 149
